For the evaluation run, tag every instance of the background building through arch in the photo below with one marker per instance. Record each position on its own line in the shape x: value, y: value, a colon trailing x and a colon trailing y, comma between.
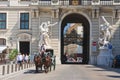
x: 77, y: 18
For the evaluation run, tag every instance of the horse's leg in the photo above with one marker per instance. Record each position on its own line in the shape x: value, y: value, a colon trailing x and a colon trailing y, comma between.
x: 41, y: 67
x: 36, y: 68
x: 50, y: 64
x: 45, y: 68
x: 50, y: 67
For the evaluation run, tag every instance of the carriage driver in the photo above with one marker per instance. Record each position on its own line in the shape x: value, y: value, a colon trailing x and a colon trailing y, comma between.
x: 42, y: 50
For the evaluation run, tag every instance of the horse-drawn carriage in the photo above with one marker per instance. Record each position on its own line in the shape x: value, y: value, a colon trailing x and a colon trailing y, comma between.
x: 47, y: 61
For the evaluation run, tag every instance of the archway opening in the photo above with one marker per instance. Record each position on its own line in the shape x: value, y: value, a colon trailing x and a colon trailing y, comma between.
x: 75, y: 38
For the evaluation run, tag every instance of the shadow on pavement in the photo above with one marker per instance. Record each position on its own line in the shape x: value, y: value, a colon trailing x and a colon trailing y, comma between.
x: 113, y: 76
x: 110, y: 69
x: 90, y: 66
x: 33, y: 72
x: 104, y: 68
x: 99, y: 70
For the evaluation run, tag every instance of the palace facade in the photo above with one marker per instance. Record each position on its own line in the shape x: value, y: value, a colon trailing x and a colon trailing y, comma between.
x: 76, y: 34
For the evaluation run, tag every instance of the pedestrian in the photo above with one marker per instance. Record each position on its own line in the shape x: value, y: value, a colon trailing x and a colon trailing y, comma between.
x: 19, y: 59
x: 26, y: 58
x: 23, y: 56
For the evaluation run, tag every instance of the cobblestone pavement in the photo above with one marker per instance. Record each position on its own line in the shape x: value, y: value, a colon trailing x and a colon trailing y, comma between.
x: 68, y: 72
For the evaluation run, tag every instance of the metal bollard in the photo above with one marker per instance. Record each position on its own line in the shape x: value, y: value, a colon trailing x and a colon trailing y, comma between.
x: 11, y: 68
x: 22, y: 67
x: 8, y: 69
x: 18, y: 67
x: 27, y: 65
x: 15, y: 67
x: 3, y: 70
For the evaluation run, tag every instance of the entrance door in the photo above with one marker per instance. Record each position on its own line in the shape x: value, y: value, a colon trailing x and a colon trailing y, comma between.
x: 24, y: 47
x: 75, y: 34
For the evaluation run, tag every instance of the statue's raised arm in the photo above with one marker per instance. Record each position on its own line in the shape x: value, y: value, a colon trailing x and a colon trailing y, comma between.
x: 44, y: 27
x: 49, y: 24
x: 110, y: 27
x: 106, y: 22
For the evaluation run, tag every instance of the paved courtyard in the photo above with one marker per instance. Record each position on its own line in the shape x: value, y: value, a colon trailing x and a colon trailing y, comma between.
x: 67, y: 72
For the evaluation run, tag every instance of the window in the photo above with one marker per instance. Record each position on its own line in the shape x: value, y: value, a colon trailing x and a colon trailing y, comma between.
x: 2, y: 41
x: 3, y: 0
x: 116, y: 1
x: 105, y: 0
x: 24, y: 21
x: 25, y: 0
x: 95, y: 1
x: 2, y: 20
x: 44, y: 0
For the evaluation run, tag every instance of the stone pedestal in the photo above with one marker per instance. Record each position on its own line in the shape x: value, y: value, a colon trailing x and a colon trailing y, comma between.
x: 105, y: 57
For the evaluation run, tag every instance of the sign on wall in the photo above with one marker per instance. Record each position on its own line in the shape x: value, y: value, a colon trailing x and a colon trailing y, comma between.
x: 94, y: 46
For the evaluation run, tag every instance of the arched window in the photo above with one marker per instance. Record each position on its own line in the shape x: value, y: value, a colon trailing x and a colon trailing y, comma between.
x: 2, y: 41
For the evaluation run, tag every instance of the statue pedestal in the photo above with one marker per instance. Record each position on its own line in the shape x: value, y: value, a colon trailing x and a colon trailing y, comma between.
x: 105, y: 57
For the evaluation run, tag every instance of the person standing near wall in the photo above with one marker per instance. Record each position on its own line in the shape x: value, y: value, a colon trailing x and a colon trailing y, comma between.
x: 19, y: 59
x: 26, y: 58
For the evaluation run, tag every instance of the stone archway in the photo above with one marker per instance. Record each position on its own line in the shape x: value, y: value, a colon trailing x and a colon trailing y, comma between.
x: 77, y: 19
x: 24, y: 43
x: 24, y: 36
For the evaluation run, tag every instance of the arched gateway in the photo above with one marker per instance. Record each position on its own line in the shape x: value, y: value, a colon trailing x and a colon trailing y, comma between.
x: 75, y: 39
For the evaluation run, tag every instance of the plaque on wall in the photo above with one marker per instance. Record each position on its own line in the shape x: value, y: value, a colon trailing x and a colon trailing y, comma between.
x: 75, y: 2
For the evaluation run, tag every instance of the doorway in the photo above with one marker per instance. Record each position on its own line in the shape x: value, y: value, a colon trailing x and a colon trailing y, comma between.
x: 24, y: 47
x: 75, y: 38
